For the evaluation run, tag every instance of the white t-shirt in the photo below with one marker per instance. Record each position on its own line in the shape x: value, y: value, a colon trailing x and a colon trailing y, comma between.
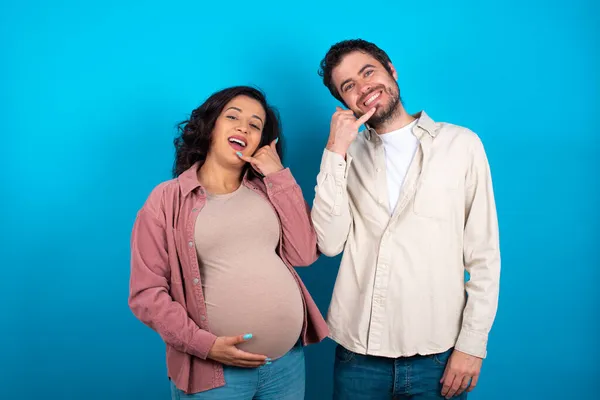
x: 400, y: 147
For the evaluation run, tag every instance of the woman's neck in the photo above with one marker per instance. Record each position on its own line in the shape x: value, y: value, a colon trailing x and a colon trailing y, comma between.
x: 218, y: 179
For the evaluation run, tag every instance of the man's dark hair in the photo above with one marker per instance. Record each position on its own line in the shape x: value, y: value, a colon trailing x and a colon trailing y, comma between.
x: 339, y: 50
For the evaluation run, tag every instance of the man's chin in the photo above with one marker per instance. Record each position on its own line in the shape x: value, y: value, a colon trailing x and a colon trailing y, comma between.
x: 379, y: 111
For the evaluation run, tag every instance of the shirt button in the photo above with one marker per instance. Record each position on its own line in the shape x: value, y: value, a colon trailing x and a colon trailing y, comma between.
x: 270, y: 184
x: 203, y: 318
x: 190, y: 244
x: 196, y: 280
x: 194, y: 209
x: 378, y: 170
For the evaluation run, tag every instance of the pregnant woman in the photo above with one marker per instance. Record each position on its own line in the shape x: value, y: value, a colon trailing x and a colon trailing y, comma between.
x: 212, y: 257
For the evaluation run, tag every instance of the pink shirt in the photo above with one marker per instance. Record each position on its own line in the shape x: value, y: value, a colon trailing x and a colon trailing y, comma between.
x: 165, y: 287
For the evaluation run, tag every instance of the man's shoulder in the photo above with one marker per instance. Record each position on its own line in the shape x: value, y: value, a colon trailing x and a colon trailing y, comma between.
x: 459, y: 140
x: 451, y: 131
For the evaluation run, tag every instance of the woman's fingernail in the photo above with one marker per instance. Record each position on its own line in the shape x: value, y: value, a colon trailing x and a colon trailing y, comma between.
x: 268, y: 362
x: 276, y: 140
x: 247, y: 336
x: 239, y: 154
x: 267, y: 359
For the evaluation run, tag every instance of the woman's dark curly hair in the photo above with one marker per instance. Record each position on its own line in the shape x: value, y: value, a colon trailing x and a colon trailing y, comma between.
x: 193, y: 143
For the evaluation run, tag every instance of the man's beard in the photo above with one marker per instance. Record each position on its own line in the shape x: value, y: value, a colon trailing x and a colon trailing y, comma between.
x: 389, y: 112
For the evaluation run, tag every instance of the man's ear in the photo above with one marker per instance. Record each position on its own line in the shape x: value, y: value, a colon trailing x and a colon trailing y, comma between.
x: 394, y: 73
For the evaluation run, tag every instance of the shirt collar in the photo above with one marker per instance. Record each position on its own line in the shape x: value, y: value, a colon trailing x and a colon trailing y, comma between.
x: 188, y: 180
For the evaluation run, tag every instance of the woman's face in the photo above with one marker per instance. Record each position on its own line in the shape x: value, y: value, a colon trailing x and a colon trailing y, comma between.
x: 239, y: 127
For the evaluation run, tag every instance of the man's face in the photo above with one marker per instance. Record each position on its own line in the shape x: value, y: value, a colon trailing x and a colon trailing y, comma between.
x: 363, y: 83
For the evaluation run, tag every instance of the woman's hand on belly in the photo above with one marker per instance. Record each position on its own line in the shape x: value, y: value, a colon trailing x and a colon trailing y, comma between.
x: 225, y: 352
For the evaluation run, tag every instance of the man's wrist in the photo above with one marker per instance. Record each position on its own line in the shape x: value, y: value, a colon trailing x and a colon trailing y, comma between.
x: 334, y: 149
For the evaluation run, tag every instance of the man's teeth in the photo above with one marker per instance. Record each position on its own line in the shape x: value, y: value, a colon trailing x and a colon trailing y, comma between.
x: 370, y: 99
x: 238, y: 141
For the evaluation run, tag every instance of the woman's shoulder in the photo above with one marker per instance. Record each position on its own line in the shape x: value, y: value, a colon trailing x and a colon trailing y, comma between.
x: 163, y: 188
x: 161, y: 194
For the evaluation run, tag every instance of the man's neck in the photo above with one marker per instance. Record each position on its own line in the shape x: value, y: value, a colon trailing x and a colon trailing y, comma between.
x: 218, y: 179
x: 398, y: 121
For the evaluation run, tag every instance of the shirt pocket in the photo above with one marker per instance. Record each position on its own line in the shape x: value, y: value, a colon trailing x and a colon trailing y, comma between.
x: 435, y: 197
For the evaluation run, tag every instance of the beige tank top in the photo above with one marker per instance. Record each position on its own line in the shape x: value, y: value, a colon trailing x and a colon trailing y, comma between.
x: 247, y: 287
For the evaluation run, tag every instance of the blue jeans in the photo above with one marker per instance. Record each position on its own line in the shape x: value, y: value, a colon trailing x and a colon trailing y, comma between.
x: 359, y: 377
x: 283, y: 379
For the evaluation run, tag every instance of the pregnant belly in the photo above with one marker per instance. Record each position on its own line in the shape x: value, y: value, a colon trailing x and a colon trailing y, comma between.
x: 263, y: 300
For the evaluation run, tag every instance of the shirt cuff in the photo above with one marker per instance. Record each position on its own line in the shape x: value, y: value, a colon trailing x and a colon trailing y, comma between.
x: 334, y: 164
x: 201, y: 344
x: 278, y: 181
x: 473, y: 343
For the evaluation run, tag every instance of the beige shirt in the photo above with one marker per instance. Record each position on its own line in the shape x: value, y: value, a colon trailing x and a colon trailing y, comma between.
x: 246, y: 286
x: 401, y: 288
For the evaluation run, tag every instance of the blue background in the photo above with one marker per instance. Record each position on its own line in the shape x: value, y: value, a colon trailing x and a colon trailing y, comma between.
x: 91, y: 92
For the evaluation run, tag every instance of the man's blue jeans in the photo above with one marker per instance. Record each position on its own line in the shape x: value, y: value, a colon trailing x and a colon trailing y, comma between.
x: 359, y: 377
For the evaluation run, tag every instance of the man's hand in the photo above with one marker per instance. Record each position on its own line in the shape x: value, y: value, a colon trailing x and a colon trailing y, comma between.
x: 344, y: 129
x: 225, y: 352
x: 265, y: 160
x: 462, y: 373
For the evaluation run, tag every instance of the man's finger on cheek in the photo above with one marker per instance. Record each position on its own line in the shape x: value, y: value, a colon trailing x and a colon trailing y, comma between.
x: 366, y: 116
